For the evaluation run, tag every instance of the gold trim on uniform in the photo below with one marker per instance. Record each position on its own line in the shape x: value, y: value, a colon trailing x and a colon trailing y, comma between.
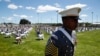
x: 51, y: 50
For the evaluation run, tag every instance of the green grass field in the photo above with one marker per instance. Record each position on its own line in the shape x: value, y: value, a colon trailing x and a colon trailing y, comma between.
x: 88, y: 45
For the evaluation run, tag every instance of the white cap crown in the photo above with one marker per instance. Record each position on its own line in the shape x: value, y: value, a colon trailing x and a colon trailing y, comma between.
x: 70, y: 12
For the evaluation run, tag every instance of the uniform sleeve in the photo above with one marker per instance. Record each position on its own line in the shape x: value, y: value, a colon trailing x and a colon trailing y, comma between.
x: 51, y: 49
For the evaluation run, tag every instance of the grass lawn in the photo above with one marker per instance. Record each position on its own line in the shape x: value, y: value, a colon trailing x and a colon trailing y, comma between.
x: 88, y: 45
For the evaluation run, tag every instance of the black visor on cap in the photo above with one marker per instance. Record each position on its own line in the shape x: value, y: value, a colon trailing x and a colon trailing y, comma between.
x: 71, y: 17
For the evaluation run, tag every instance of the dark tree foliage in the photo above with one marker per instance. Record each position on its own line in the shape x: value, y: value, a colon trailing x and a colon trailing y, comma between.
x: 24, y: 21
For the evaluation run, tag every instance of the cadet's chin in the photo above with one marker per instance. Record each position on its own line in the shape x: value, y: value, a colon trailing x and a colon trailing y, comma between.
x: 73, y: 28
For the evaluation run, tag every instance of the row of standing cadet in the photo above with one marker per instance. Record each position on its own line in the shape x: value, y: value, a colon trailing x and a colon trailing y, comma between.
x: 17, y: 31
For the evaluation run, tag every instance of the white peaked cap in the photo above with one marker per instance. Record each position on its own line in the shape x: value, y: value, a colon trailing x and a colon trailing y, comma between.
x: 70, y: 12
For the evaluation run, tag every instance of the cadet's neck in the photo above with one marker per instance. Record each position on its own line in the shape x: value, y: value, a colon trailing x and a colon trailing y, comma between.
x: 68, y: 30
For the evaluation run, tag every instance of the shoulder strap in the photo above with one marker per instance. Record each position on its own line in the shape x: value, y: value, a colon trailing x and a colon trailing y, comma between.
x: 67, y: 35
